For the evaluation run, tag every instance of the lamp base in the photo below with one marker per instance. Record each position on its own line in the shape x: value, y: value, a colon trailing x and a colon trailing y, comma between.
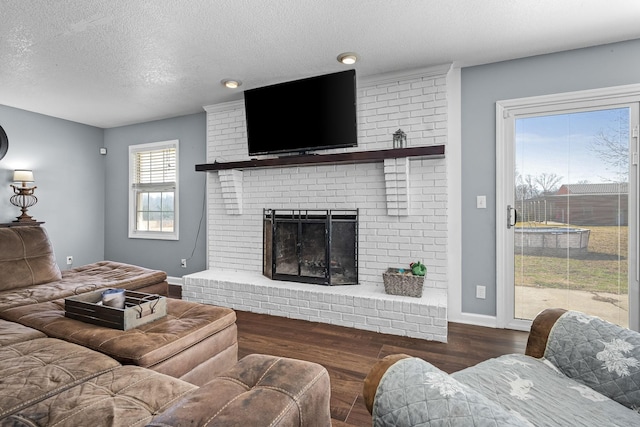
x: 24, y: 218
x: 23, y: 199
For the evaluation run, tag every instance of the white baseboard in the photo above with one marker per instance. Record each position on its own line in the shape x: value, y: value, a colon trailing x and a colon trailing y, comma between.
x: 174, y: 280
x: 475, y: 319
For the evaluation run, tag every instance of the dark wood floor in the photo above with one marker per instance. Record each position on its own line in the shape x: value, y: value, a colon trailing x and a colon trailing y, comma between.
x: 348, y: 354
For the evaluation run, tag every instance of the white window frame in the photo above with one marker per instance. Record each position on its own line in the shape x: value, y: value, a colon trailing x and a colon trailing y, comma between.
x: 144, y: 234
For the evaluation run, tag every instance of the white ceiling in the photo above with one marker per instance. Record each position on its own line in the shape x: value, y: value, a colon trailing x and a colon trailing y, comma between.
x: 110, y: 63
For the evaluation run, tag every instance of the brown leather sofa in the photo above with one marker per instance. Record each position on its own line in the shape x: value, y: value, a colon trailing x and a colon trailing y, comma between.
x: 29, y: 273
x: 51, y: 373
x: 194, y: 342
x: 46, y: 381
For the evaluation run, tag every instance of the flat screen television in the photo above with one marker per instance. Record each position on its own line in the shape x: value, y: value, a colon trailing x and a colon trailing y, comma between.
x: 302, y: 115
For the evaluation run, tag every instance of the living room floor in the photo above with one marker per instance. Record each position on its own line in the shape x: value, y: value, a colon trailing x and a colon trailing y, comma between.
x: 348, y: 354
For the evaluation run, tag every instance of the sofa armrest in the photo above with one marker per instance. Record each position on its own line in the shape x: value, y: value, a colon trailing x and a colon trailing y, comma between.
x: 540, y: 330
x: 374, y: 376
x: 412, y: 392
x: 260, y: 390
x: 599, y: 354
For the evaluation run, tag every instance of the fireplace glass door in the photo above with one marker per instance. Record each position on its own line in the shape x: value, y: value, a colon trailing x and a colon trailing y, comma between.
x: 286, y: 252
x: 311, y: 246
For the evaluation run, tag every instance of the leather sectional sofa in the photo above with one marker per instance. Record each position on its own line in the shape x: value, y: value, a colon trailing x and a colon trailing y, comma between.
x: 47, y: 378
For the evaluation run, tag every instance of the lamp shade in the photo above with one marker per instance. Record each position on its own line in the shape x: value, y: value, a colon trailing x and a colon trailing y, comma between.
x: 23, y: 176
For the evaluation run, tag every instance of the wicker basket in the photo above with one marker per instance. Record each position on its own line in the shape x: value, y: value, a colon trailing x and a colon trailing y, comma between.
x: 406, y: 284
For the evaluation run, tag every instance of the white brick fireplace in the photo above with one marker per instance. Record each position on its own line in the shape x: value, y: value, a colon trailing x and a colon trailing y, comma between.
x: 402, y: 205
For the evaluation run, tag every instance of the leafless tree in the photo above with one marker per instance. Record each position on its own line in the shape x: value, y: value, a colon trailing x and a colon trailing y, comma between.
x: 612, y: 146
x: 526, y: 187
x: 548, y: 182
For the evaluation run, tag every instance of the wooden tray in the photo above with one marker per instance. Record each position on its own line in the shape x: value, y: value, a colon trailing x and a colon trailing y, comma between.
x: 140, y: 308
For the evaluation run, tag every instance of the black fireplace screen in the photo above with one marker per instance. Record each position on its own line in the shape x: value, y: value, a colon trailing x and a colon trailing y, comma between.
x: 311, y: 246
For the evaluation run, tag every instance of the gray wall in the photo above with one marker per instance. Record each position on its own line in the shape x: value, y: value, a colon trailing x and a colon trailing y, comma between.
x: 590, y: 68
x: 157, y: 254
x: 69, y: 174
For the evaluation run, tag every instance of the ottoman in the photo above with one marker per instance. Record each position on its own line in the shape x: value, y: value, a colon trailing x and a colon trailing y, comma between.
x: 193, y: 342
x: 261, y: 390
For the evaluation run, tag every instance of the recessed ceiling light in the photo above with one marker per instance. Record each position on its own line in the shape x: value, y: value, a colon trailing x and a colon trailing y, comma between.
x: 348, y: 58
x: 231, y: 84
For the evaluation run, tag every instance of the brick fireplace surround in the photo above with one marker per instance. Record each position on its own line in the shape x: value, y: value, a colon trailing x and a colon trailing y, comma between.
x: 402, y: 207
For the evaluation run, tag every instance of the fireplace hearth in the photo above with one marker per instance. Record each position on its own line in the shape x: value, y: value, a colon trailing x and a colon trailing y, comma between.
x: 311, y: 246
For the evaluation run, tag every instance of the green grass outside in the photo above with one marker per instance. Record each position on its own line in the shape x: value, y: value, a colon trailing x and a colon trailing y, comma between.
x: 604, y: 268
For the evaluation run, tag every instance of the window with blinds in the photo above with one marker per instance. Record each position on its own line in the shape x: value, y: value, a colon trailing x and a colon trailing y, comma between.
x: 153, y: 190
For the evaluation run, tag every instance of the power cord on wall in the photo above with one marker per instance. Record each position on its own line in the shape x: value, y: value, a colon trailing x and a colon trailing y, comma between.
x: 195, y: 244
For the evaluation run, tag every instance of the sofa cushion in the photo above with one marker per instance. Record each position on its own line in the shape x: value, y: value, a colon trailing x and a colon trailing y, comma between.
x: 260, y: 390
x: 125, y: 396
x: 26, y: 258
x: 33, y: 370
x: 537, y: 391
x: 105, y: 274
x: 11, y: 333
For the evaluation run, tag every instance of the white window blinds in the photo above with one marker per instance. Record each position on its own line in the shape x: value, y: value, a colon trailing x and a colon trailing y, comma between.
x: 155, y: 170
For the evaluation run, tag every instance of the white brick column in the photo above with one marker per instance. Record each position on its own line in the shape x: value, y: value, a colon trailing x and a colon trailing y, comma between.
x: 396, y: 180
x: 231, y: 185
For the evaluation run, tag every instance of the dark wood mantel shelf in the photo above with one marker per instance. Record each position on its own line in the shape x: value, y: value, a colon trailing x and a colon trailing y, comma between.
x: 432, y: 151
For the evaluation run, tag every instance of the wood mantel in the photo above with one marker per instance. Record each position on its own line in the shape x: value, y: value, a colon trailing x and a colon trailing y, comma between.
x: 432, y: 151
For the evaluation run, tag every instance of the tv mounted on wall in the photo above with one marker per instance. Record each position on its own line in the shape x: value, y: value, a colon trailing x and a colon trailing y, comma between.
x: 303, y: 115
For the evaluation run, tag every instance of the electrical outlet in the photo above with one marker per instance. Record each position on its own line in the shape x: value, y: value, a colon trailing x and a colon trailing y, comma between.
x: 69, y: 260
x: 481, y: 292
x: 183, y: 263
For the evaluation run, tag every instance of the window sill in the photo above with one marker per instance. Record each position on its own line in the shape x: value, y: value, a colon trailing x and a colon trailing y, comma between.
x: 153, y: 235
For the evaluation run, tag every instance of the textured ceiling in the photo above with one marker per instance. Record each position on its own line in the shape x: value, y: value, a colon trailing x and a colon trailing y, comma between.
x: 113, y: 62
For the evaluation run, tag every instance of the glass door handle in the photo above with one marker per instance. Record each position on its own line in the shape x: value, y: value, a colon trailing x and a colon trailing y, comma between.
x: 510, y: 210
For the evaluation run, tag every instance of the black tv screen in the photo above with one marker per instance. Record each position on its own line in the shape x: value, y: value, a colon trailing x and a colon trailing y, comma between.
x: 302, y: 115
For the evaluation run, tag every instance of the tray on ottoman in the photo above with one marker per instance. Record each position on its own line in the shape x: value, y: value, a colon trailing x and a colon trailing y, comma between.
x: 140, y: 308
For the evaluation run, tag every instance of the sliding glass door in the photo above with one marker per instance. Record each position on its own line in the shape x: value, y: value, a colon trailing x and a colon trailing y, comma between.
x: 572, y: 199
x: 567, y: 206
